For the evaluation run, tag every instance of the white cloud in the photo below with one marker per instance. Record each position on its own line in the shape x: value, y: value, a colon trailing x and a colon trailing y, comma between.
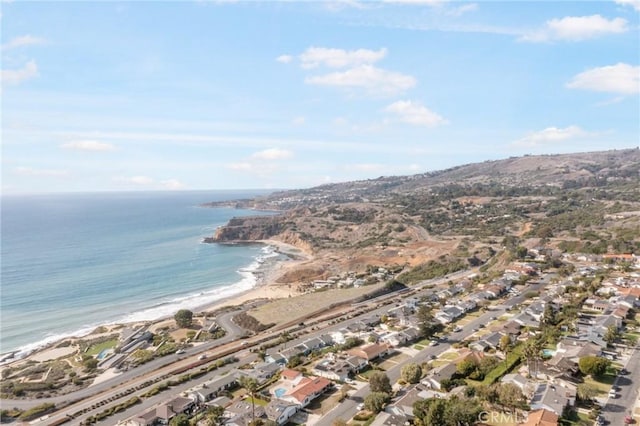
x: 22, y: 41
x: 88, y: 145
x: 172, y: 184
x: 577, y: 28
x: 28, y: 171
x: 285, y: 59
x: 29, y: 71
x: 139, y: 180
x: 415, y: 167
x: 414, y: 113
x: 273, y: 154
x: 551, y: 135
x: 374, y: 80
x: 620, y: 78
x: 243, y: 166
x: 339, y: 58
x: 460, y: 10
x: 633, y: 3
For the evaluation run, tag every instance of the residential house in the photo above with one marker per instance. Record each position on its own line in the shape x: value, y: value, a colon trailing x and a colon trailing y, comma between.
x: 541, y: 417
x: 307, y: 390
x: 162, y: 413
x: 553, y: 398
x: 440, y: 374
x: 520, y: 381
x: 280, y: 411
x: 370, y: 352
x: 212, y: 388
x: 241, y: 412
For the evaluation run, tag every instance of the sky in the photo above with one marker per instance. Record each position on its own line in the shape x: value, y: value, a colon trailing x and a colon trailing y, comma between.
x: 190, y: 95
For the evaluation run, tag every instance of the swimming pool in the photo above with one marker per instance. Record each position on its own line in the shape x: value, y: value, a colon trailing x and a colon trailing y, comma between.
x: 279, y: 392
x: 548, y: 353
x: 103, y: 354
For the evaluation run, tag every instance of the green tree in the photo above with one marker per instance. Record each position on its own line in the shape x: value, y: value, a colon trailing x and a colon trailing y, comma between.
x: 411, y: 373
x: 379, y: 382
x: 251, y: 385
x: 184, y: 318
x: 510, y: 396
x: 595, y: 366
x: 586, y: 391
x: 376, y: 401
x: 425, y: 321
x: 339, y: 422
x: 466, y: 367
x: 531, y: 353
x: 179, y: 420
x: 611, y: 335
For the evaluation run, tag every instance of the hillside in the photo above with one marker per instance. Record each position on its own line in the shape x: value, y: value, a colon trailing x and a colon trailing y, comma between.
x: 583, y: 202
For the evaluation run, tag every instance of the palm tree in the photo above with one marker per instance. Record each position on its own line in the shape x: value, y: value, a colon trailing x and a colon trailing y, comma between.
x: 251, y: 385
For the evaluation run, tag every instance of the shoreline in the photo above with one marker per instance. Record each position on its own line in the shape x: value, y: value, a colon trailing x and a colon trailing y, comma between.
x: 264, y: 287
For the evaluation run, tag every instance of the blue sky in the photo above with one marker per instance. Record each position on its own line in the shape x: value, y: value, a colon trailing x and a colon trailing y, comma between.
x: 109, y: 96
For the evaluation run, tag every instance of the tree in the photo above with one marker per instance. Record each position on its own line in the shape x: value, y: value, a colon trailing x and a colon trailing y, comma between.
x: 510, y: 396
x: 376, y: 401
x: 531, y: 353
x: 411, y: 373
x: 586, y: 391
x: 596, y: 366
x: 505, y: 343
x: 466, y: 367
x: 213, y: 415
x: 549, y: 315
x: 339, y: 422
x: 379, y: 382
x: 184, y: 318
x: 425, y: 321
x: 251, y: 385
x: 611, y: 335
x: 179, y: 420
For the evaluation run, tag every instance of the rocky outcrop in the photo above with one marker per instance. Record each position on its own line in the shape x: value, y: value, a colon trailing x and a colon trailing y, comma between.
x: 251, y: 228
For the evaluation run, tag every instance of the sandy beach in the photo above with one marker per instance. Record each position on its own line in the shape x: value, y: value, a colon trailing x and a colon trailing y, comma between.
x: 266, y: 288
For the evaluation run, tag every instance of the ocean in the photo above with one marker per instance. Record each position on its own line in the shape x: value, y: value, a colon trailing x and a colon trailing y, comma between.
x: 72, y: 262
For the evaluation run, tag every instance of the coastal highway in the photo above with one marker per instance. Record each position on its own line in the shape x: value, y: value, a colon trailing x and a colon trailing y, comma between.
x: 126, y: 380
x: 138, y: 375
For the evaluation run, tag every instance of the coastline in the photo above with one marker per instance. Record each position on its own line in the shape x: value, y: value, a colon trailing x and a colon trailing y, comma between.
x: 265, y: 287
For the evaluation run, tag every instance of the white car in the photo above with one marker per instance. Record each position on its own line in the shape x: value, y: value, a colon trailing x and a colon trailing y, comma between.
x: 180, y: 351
x: 613, y: 393
x: 360, y: 406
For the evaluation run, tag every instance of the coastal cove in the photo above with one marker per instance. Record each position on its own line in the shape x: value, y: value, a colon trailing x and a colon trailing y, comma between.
x: 73, y: 262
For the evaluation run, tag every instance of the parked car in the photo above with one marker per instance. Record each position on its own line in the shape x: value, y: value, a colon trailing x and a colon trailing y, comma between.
x: 613, y: 393
x: 624, y: 371
x: 599, y: 421
x: 180, y: 351
x: 628, y: 420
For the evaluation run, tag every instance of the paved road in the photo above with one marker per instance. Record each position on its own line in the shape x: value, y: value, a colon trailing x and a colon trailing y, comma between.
x: 616, y: 409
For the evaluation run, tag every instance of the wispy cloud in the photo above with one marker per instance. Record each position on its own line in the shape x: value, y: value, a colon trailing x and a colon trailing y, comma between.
x: 620, y: 78
x: 414, y: 113
x: 339, y: 58
x: 285, y: 59
x: 373, y: 80
x: 13, y: 77
x: 22, y: 41
x: 552, y: 135
x: 576, y: 28
x: 88, y: 145
x: 29, y: 171
x: 273, y: 154
x: 633, y: 3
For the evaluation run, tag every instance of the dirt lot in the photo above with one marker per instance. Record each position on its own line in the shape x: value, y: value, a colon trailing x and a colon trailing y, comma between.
x: 285, y: 310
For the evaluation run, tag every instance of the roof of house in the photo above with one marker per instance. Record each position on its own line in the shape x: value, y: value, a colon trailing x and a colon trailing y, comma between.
x: 309, y: 387
x: 370, y: 351
x: 290, y: 374
x: 276, y: 407
x: 541, y: 418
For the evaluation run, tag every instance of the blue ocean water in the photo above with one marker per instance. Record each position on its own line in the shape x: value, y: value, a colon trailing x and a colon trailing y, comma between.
x: 71, y: 262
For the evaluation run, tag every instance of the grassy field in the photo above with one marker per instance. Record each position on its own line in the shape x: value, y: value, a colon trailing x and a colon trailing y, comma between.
x: 99, y: 347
